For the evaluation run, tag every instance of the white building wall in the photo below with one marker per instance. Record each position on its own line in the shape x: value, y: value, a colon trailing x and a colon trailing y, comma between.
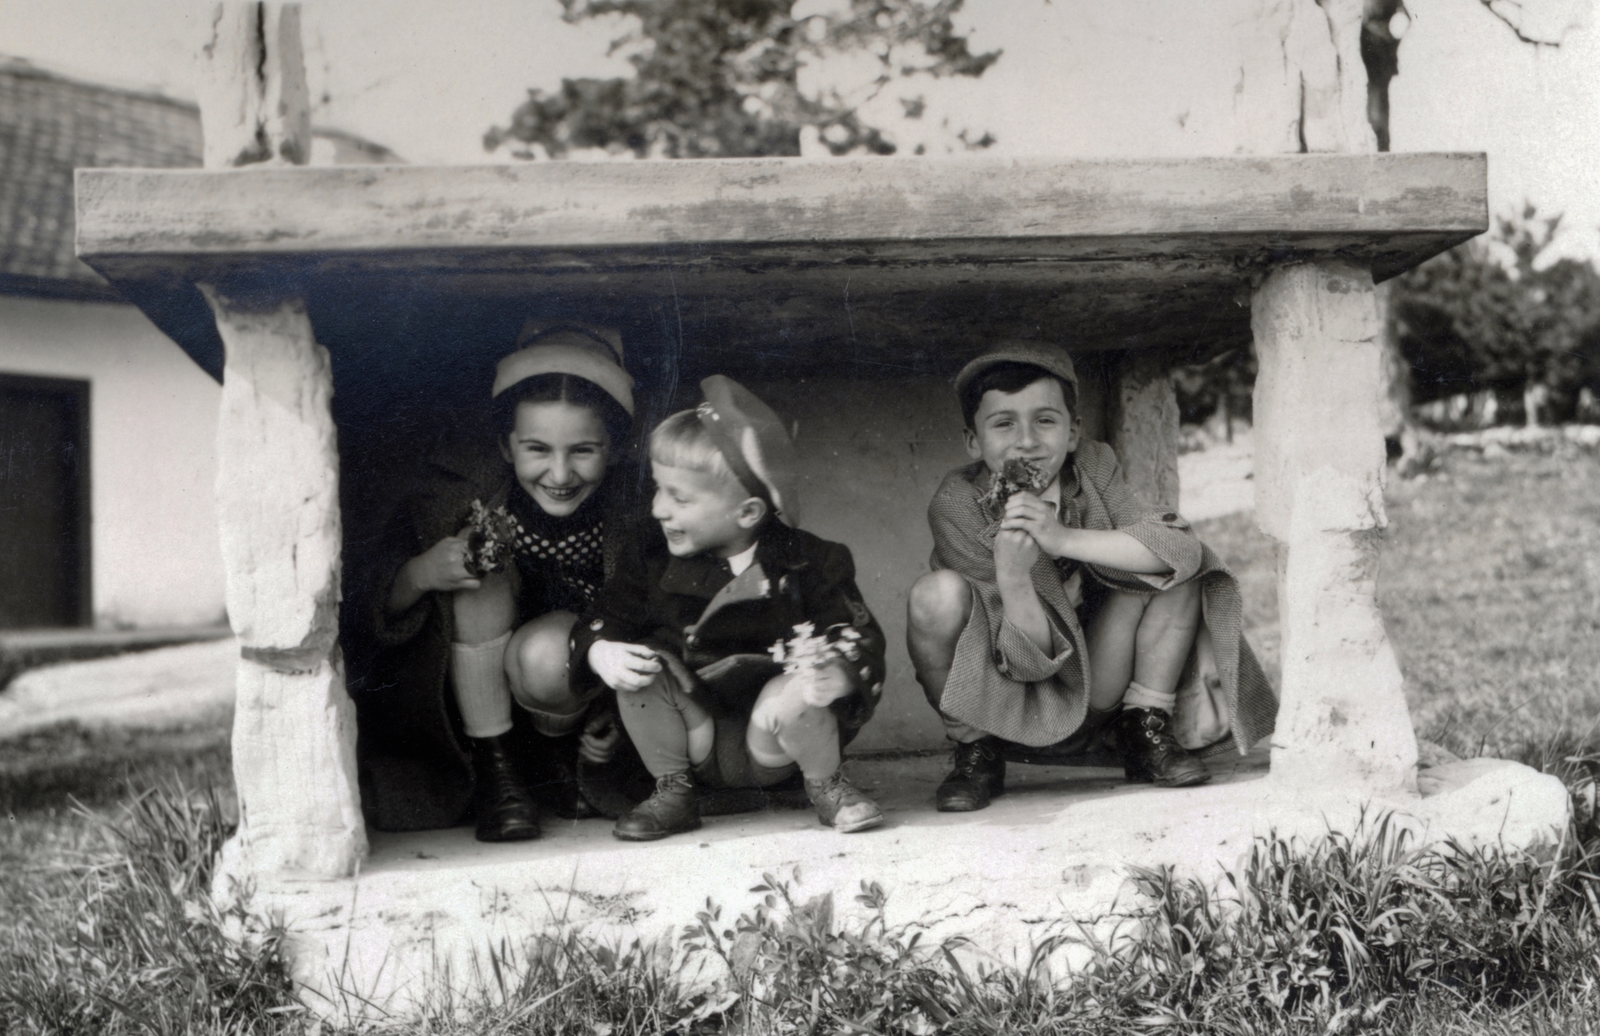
x: 155, y: 558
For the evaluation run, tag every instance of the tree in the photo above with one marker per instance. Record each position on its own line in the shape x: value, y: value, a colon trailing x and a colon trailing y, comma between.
x: 1489, y: 315
x: 716, y: 78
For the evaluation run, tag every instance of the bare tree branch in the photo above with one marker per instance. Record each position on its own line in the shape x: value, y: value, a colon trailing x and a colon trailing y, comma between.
x: 1509, y: 13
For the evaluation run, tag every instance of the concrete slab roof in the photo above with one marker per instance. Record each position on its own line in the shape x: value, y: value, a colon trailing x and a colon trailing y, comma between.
x: 779, y: 259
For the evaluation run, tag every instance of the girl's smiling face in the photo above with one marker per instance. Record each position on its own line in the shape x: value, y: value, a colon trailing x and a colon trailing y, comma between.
x: 559, y: 451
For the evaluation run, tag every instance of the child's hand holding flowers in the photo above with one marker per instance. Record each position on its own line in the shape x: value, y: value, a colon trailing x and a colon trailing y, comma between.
x: 1027, y: 513
x: 817, y: 661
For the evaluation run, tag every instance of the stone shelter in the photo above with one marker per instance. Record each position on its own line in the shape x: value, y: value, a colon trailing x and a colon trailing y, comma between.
x: 350, y: 312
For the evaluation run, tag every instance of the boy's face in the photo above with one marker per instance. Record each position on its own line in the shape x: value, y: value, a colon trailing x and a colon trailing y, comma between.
x: 700, y: 511
x: 1030, y: 424
x: 559, y: 452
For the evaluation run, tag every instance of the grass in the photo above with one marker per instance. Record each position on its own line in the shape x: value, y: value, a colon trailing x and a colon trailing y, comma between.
x: 1492, y: 594
x: 1490, y: 590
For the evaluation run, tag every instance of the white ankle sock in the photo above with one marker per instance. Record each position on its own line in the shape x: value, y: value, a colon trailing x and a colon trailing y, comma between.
x: 1138, y: 696
x: 478, y: 677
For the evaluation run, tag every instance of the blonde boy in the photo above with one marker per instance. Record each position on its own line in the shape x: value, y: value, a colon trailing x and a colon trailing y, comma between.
x: 685, y: 630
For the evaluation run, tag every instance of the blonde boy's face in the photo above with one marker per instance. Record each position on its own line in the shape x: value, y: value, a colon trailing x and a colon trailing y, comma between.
x: 703, y: 512
x: 1031, y: 424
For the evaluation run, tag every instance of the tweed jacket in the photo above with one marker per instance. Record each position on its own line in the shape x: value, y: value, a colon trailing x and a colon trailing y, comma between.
x: 722, y: 626
x: 1002, y: 683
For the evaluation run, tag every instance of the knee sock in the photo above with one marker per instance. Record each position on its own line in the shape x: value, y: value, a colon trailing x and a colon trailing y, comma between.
x: 1138, y: 696
x: 553, y: 724
x: 478, y: 677
x: 667, y: 728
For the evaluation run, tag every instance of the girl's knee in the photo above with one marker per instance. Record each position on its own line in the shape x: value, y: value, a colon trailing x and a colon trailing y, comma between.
x: 537, y: 657
x: 939, y: 603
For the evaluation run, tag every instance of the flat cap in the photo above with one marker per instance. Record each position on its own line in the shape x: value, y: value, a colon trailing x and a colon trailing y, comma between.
x: 1051, y: 358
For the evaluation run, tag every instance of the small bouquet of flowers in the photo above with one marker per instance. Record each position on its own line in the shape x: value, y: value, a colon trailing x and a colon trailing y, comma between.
x: 490, y: 541
x: 807, y: 649
x: 1017, y: 476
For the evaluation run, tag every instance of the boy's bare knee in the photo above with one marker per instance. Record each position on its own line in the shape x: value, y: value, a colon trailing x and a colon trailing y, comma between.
x: 781, y: 704
x: 939, y: 604
x: 1179, y: 600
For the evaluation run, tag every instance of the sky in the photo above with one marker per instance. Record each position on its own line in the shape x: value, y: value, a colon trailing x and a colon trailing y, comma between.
x: 428, y: 77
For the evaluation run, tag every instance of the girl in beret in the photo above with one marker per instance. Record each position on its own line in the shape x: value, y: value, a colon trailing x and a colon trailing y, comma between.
x: 480, y: 623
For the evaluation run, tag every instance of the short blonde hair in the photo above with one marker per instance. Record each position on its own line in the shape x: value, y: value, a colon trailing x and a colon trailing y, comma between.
x: 681, y: 441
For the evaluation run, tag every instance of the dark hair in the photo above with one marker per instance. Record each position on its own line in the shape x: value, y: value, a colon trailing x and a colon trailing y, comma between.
x: 563, y: 388
x: 1008, y: 377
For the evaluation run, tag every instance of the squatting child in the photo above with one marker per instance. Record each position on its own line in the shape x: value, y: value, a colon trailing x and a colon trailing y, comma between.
x: 738, y: 645
x: 477, y: 617
x: 1058, y: 605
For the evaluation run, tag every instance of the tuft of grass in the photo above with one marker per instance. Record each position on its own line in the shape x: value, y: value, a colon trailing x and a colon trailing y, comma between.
x: 127, y: 938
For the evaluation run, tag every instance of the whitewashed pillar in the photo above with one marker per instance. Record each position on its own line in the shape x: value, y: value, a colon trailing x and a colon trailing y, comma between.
x: 254, y: 104
x: 1301, y: 85
x: 1142, y: 425
x: 1342, y: 724
x: 278, y: 495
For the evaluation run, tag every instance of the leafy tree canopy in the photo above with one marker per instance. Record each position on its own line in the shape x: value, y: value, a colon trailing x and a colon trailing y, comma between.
x: 1489, y: 314
x: 715, y: 78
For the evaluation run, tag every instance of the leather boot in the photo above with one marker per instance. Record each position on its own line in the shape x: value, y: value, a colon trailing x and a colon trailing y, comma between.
x: 505, y: 810
x: 1151, y: 754
x: 977, y: 775
x: 557, y: 777
x: 840, y: 804
x: 671, y: 809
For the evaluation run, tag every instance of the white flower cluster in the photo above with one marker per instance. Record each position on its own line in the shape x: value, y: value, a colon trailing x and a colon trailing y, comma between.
x: 808, y: 649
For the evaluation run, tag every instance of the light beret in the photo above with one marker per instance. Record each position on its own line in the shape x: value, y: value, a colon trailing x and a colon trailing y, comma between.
x: 753, y: 439
x: 567, y: 349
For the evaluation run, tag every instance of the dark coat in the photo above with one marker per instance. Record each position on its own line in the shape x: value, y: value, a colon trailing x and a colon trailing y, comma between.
x: 413, y: 755
x: 723, y: 627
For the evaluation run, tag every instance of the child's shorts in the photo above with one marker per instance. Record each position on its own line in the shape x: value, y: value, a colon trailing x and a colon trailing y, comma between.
x: 730, y: 765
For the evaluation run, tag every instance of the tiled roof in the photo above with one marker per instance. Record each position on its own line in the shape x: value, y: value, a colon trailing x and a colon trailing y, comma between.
x: 51, y: 125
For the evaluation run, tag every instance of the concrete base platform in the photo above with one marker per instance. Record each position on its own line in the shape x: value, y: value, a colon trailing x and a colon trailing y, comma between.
x: 434, y: 907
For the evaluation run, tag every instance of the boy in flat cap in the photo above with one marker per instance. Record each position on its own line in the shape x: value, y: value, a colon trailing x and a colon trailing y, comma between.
x: 739, y: 646
x: 1058, y: 605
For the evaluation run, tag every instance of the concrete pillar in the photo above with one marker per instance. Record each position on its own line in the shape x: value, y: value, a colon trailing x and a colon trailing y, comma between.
x: 1343, y: 723
x: 254, y: 105
x: 1301, y: 85
x: 278, y: 501
x: 1142, y: 425
x: 278, y: 494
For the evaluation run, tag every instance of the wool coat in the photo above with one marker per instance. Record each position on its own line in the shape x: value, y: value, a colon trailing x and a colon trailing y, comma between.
x: 413, y: 756
x: 723, y: 626
x: 1002, y: 683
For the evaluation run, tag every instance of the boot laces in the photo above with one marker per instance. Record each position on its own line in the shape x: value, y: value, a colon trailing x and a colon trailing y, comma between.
x: 973, y: 754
